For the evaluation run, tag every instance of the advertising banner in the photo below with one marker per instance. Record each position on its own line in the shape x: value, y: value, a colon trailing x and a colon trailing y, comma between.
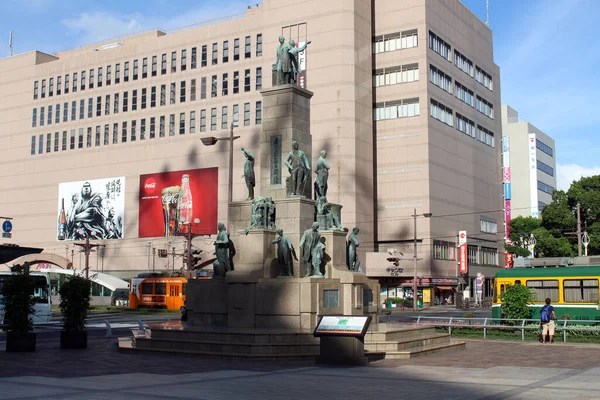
x: 507, y: 195
x: 506, y: 174
x: 508, y: 216
x: 301, y: 77
x: 533, y: 190
x: 462, y: 252
x: 170, y: 203
x: 93, y: 208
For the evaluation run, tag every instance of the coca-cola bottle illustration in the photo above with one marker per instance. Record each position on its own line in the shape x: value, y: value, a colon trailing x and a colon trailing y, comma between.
x: 62, y: 222
x: 185, y: 204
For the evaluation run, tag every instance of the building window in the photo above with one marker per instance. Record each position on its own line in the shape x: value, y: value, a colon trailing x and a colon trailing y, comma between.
x: 488, y: 256
x: 163, y: 95
x: 193, y: 90
x: 173, y: 61
x: 163, y: 64
x: 90, y: 110
x: 143, y: 129
x: 236, y: 112
x: 172, y: 93
x: 152, y: 128
x: 73, y: 110
x: 463, y: 94
x: 247, y: 47
x: 395, y: 75
x: 545, y: 168
x: 224, y: 86
x: 117, y: 73
x: 194, y: 58
x: 172, y: 125
x: 108, y: 75
x: 41, y: 144
x: 485, y: 136
x: 485, y: 107
x: 395, y: 41
x: 213, y: 119
x: 213, y: 90
x: 65, y: 111
x: 153, y: 96
x: 116, y: 103
x: 541, y: 205
x: 440, y: 79
x: 67, y: 84
x: 42, y: 116
x: 397, y: 109
x: 55, y: 142
x: 57, y: 114
x: 124, y: 132
x: 49, y: 115
x: 258, y: 78
x: 81, y: 109
x: 580, y: 290
x: 33, y: 145
x: 82, y: 82
x: 133, y: 130
x: 488, y: 226
x: 192, y: 121
x: 161, y: 132
x: 34, y: 118
x: 258, y: 111
x: 64, y: 141
x: 115, y: 138
x: 51, y: 87
x: 215, y: 53
x: 134, y: 100
x: 203, y: 87
x: 59, y: 84
x: 72, y: 140
x: 97, y: 137
x: 182, y: 92
x: 183, y: 59
x: 443, y: 250
x: 465, y: 125
x: 145, y: 68
x: 43, y: 88
x: 246, y: 114
x: 125, y: 101
x: 204, y: 56
x: 439, y: 46
x: 202, y: 120
x: 226, y: 51
x: 88, y: 142
x: 106, y: 135
x: 441, y: 113
x: 463, y: 63
x: 35, y: 96
x: 99, y: 77
x: 91, y: 81
x: 126, y: 72
x: 182, y: 123
x: 247, y: 80
x: 544, y: 147
x: 99, y: 106
x: 236, y: 82
x: 74, y: 87
x: 545, y: 188
x: 472, y: 255
x: 236, y: 49
x: 144, y: 98
x: 259, y: 45
x: 154, y: 65
x: 484, y: 78
x: 48, y: 142
x: 224, y: 117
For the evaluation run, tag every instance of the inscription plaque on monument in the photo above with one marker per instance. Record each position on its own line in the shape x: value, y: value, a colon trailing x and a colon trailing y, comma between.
x: 276, y: 160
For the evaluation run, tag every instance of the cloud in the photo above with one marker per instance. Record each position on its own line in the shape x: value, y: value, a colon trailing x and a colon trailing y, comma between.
x: 568, y: 173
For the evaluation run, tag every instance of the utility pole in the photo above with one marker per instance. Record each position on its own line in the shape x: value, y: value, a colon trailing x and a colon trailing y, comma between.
x: 579, y: 229
x: 87, y: 246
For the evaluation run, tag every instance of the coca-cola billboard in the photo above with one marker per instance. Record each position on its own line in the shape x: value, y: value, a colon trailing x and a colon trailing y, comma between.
x: 170, y: 203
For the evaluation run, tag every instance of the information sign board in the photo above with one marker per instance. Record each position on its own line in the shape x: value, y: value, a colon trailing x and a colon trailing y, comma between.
x: 342, y: 326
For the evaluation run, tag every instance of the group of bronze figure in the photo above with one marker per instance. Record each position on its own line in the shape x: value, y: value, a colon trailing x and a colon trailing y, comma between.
x: 312, y: 245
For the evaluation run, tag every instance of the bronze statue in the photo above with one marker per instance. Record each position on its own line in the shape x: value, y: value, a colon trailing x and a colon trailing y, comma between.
x: 322, y: 171
x: 285, y: 252
x: 309, y: 241
x: 249, y: 173
x: 353, y: 261
x: 295, y: 66
x: 263, y: 214
x: 299, y: 167
x: 325, y: 218
x: 222, y: 264
x: 284, y: 59
x: 317, y: 257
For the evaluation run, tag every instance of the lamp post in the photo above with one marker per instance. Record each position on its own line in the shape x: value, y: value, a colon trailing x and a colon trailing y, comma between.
x: 585, y: 239
x: 426, y: 215
x: 211, y: 140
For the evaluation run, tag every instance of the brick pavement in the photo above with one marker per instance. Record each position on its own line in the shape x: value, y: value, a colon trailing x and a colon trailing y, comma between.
x: 485, y: 370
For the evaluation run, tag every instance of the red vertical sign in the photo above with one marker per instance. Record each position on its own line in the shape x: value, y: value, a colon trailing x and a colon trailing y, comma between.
x: 462, y: 252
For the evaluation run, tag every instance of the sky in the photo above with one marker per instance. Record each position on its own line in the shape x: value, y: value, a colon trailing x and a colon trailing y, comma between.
x: 548, y: 52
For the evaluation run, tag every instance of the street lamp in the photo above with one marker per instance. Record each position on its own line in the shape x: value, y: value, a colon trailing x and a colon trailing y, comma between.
x: 211, y: 140
x: 426, y: 215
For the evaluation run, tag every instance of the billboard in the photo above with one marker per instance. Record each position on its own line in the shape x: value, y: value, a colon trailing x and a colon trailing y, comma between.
x: 533, y: 190
x: 93, y: 208
x: 462, y: 252
x: 301, y: 77
x: 170, y: 203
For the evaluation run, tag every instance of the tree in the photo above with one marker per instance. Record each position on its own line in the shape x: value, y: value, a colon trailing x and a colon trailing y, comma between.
x: 515, y: 300
x: 521, y: 228
x: 558, y: 216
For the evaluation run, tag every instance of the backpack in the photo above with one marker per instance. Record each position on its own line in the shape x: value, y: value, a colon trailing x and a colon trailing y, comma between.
x: 545, y: 314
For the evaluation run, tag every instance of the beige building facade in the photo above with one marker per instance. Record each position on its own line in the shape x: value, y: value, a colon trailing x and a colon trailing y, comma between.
x: 406, y: 101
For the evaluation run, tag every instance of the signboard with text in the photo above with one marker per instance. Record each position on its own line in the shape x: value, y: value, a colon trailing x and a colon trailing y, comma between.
x: 342, y: 326
x: 462, y: 252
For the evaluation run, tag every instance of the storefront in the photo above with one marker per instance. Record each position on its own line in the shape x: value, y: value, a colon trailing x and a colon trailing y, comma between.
x: 431, y: 291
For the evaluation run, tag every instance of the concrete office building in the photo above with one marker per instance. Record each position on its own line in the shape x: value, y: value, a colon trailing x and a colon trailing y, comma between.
x: 406, y: 96
x: 532, y: 160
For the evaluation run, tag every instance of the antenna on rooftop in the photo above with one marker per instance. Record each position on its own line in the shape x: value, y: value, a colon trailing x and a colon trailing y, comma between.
x: 10, y: 42
x: 487, y: 12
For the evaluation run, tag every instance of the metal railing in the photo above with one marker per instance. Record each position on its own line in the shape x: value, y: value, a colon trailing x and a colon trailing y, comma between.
x: 487, y: 324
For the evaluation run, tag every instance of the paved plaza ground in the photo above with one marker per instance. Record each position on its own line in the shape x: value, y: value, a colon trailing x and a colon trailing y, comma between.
x: 485, y: 370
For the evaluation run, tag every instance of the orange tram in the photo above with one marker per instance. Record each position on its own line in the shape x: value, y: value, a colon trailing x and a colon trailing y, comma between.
x: 157, y: 291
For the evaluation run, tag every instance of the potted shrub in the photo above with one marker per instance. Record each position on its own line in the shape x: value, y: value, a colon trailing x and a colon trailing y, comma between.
x: 74, y: 306
x: 18, y: 309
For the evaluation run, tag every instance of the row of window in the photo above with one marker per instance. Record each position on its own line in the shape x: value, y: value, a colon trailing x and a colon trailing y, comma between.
x: 395, y: 41
x: 545, y: 168
x: 105, y: 75
x: 440, y: 79
x: 463, y: 124
x: 482, y: 255
x: 147, y: 128
x: 574, y: 290
x: 488, y: 226
x: 443, y: 250
x: 396, y: 109
x: 544, y: 147
x: 541, y: 205
x: 141, y: 97
x: 545, y: 188
x: 461, y: 62
x: 395, y: 75
x: 441, y: 113
x: 484, y: 107
x: 464, y: 94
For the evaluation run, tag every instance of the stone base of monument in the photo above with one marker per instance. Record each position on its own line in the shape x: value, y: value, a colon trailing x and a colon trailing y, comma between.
x: 339, y: 350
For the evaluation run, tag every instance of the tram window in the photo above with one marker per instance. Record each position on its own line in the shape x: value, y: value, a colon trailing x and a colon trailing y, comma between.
x: 580, y: 290
x: 501, y: 290
x: 161, y: 288
x: 174, y: 290
x: 147, y: 288
x: 543, y: 289
x: 517, y: 282
x: 183, y: 288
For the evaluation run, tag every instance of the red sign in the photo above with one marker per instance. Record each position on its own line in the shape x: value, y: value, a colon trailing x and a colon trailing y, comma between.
x: 507, y: 218
x: 506, y: 174
x: 509, y: 260
x: 462, y: 252
x: 170, y: 202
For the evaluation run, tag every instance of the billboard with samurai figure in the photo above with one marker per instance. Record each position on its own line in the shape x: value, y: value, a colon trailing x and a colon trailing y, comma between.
x: 93, y: 208
x: 173, y: 202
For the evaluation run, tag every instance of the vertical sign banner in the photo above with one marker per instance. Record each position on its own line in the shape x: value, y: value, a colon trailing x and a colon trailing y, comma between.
x: 276, y: 160
x: 507, y: 213
x: 171, y: 202
x: 93, y: 208
x: 533, y: 175
x: 462, y: 252
x: 301, y: 77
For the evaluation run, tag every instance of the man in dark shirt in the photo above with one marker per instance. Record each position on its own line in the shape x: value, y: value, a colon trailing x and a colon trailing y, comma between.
x: 548, y: 326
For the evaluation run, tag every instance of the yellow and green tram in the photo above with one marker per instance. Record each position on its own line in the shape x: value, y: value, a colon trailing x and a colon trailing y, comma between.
x: 572, y: 290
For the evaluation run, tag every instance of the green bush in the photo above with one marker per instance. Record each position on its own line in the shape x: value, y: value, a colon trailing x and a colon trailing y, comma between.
x: 18, y: 301
x: 75, y: 303
x: 515, y: 300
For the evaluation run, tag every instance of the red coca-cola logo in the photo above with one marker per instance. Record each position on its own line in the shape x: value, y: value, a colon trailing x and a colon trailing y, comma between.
x: 149, y: 185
